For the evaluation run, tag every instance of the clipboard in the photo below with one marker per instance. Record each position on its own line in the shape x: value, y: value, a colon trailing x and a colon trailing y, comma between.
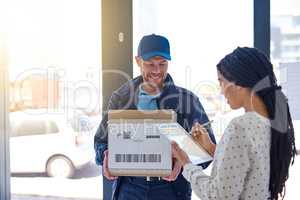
x: 175, y: 132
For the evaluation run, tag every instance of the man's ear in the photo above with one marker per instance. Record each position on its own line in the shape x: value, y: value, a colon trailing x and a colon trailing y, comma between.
x: 138, y: 60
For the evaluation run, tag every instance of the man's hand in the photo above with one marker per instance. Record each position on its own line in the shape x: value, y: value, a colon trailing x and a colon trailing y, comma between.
x: 181, y: 157
x: 105, y: 170
x: 201, y: 136
x: 175, y: 172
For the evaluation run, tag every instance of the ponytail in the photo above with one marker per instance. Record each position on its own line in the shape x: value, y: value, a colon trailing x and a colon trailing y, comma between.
x: 283, y: 150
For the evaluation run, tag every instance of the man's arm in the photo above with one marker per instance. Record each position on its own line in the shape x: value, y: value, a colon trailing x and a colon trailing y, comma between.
x: 100, y: 138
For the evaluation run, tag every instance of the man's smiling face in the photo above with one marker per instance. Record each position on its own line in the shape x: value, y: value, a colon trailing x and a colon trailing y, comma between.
x: 154, y: 70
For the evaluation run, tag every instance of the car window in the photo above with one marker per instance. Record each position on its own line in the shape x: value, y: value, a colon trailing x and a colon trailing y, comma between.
x: 52, y: 127
x: 34, y: 127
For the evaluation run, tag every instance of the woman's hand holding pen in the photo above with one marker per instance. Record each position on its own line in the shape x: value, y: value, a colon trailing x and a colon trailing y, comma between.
x: 201, y: 136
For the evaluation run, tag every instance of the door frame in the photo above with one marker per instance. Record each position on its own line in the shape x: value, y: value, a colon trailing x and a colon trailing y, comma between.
x: 4, y: 134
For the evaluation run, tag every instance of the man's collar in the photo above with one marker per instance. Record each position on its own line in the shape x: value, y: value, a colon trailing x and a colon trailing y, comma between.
x: 143, y: 92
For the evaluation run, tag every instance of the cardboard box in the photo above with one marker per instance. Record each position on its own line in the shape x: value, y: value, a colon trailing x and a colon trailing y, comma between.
x: 136, y: 146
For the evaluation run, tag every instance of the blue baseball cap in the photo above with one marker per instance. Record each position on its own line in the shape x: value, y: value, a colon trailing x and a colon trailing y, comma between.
x: 154, y: 45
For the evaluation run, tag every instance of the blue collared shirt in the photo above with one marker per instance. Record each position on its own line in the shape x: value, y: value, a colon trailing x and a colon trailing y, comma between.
x: 147, y: 101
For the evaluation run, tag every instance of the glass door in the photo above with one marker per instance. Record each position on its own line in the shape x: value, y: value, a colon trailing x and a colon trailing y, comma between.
x: 54, y: 50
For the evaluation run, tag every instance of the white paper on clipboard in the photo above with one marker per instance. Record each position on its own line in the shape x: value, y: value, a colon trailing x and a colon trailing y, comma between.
x: 175, y: 132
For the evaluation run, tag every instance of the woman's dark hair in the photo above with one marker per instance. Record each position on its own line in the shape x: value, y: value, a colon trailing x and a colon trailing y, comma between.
x: 248, y: 67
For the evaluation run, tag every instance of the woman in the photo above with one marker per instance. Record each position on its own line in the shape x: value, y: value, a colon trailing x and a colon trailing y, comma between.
x: 254, y: 154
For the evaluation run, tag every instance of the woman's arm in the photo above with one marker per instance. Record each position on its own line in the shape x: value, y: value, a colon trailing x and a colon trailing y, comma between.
x: 229, y: 171
x: 201, y: 136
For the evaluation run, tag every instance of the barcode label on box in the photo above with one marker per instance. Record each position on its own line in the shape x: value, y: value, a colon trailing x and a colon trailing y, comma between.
x: 138, y: 158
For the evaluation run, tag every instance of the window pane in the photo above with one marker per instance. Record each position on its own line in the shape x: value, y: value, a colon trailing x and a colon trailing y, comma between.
x: 285, y: 55
x: 200, y: 34
x: 54, y: 49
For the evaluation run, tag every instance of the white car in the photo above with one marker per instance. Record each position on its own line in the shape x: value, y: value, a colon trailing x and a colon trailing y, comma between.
x: 45, y: 143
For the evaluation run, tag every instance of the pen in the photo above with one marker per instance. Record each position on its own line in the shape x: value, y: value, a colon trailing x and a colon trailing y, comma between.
x: 207, y: 123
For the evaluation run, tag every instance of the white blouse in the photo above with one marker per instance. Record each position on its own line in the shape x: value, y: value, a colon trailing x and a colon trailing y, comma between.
x: 241, y: 166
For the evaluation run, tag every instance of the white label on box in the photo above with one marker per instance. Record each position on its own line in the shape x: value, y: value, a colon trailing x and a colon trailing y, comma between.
x: 138, y: 146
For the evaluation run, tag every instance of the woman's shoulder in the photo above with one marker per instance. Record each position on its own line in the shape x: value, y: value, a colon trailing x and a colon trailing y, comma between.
x: 247, y: 123
x: 249, y: 118
x: 239, y: 122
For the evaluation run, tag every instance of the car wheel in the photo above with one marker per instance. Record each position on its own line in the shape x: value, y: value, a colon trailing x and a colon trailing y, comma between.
x: 60, y: 166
